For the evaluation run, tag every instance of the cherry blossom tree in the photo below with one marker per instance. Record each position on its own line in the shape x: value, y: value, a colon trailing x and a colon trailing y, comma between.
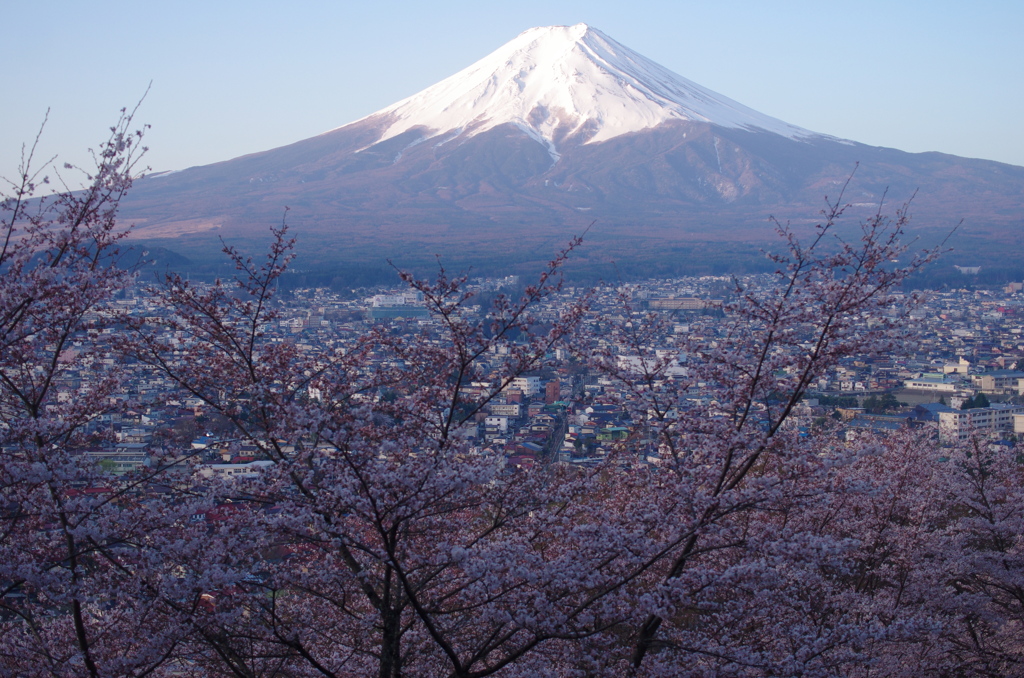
x: 393, y: 523
x: 429, y: 558
x: 983, y: 595
x: 377, y: 538
x: 729, y: 463
x: 69, y: 531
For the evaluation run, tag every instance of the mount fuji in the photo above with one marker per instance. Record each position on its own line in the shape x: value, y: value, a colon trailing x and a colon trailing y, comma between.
x: 560, y: 128
x: 562, y: 85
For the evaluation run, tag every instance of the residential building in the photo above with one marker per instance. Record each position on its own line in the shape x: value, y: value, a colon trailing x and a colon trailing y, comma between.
x: 997, y: 381
x: 960, y: 424
x: 530, y: 386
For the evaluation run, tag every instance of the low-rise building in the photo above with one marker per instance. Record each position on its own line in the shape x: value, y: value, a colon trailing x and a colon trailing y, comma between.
x: 247, y: 470
x: 933, y: 381
x: 530, y: 386
x: 997, y: 381
x: 960, y: 424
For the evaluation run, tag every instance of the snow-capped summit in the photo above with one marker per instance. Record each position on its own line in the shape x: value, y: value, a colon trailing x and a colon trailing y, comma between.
x: 556, y: 82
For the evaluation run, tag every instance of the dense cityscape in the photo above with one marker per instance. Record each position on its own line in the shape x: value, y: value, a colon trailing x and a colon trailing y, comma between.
x: 965, y: 343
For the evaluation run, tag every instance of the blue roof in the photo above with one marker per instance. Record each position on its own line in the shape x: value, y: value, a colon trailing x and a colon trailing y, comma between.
x: 935, y: 408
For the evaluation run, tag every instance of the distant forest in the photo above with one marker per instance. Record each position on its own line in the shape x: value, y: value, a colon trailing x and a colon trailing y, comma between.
x: 344, y: 274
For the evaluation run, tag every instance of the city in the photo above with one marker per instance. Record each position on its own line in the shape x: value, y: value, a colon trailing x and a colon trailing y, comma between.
x: 965, y: 343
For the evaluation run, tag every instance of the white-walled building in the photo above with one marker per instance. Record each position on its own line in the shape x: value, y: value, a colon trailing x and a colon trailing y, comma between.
x: 960, y: 424
x: 933, y: 381
x: 999, y: 381
x: 248, y: 470
x: 497, y: 421
x: 530, y: 386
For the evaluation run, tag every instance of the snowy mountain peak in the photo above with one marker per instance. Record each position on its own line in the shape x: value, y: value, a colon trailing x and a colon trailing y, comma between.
x: 557, y: 82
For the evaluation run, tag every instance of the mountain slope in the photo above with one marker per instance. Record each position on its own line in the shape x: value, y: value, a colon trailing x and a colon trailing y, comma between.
x: 560, y: 127
x: 563, y: 83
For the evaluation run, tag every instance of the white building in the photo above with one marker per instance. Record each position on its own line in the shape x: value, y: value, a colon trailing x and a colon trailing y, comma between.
x: 960, y: 424
x: 999, y: 381
x: 933, y: 381
x: 383, y: 300
x: 512, y: 410
x: 645, y: 364
x: 497, y: 421
x: 530, y: 386
x: 249, y: 470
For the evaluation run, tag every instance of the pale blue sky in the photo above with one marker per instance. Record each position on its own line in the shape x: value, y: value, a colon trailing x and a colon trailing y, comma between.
x: 233, y: 77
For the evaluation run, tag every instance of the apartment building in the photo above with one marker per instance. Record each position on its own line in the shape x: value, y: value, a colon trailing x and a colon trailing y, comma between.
x: 998, y: 381
x: 960, y: 424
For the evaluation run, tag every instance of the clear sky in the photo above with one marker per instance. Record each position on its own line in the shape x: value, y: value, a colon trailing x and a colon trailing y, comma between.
x: 232, y: 77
